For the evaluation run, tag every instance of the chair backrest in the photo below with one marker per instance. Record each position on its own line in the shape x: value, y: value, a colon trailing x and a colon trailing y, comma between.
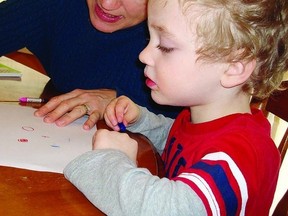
x: 277, y: 104
x: 282, y: 206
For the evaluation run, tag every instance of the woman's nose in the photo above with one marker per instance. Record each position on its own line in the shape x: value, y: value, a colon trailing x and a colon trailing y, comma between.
x: 110, y: 4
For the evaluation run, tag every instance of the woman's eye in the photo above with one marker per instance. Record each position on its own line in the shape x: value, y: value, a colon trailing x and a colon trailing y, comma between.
x: 165, y: 49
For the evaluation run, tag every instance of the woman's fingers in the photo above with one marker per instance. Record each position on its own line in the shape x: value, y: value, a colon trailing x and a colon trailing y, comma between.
x: 66, y: 108
x: 60, y: 104
x: 74, y: 114
x: 92, y: 120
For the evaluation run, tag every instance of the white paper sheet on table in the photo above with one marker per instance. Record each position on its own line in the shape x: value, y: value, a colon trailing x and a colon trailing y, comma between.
x: 27, y: 142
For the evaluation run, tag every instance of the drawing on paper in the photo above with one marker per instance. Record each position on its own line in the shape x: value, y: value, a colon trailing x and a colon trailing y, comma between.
x: 22, y: 140
x: 27, y: 128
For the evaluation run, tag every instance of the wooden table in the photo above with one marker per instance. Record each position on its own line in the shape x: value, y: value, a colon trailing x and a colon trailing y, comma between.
x: 34, y: 193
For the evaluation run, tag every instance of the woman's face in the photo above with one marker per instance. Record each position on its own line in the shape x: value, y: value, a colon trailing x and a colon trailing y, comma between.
x: 112, y: 15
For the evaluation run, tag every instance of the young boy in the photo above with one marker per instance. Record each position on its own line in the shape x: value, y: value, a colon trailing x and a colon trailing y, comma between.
x: 210, y: 56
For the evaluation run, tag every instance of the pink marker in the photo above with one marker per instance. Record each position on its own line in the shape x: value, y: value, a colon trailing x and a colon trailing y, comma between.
x: 31, y: 100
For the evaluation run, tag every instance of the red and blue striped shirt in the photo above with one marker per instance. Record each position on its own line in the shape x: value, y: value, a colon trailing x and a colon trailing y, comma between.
x: 231, y: 162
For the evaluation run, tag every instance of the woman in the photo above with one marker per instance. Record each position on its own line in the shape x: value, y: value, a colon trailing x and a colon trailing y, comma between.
x: 90, y: 44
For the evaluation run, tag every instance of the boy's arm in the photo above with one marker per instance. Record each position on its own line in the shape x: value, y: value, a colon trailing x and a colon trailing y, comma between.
x: 116, y: 186
x: 155, y: 127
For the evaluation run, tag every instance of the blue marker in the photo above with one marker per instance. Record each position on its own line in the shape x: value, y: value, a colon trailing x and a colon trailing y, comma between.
x: 122, y: 127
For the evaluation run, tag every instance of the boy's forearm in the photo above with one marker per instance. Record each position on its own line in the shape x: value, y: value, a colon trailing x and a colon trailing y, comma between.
x: 113, y: 184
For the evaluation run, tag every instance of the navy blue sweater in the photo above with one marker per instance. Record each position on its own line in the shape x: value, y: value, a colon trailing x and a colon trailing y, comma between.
x: 75, y: 54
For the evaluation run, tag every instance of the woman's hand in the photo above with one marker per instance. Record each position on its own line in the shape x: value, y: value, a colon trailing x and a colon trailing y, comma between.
x: 66, y: 108
x: 123, y: 110
x: 104, y: 139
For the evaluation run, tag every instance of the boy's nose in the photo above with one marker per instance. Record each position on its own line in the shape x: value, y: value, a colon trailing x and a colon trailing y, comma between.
x: 145, y: 56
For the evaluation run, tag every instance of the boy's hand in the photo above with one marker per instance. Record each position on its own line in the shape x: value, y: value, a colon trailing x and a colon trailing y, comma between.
x: 104, y: 139
x: 121, y: 109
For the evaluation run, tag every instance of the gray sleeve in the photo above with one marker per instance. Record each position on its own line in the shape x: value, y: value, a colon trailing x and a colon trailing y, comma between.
x: 155, y: 127
x: 116, y: 186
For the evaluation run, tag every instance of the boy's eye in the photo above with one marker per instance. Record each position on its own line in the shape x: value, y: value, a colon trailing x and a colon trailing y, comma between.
x: 165, y: 49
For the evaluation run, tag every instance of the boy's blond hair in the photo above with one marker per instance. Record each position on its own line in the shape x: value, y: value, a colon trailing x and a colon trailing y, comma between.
x: 245, y: 30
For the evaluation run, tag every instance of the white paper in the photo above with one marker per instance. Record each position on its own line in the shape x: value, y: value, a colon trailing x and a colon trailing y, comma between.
x: 27, y: 142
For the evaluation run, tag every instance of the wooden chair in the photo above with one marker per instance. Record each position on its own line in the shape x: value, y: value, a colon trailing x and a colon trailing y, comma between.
x: 277, y: 104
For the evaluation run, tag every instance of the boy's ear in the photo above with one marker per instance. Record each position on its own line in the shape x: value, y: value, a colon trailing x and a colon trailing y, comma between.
x: 237, y: 73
